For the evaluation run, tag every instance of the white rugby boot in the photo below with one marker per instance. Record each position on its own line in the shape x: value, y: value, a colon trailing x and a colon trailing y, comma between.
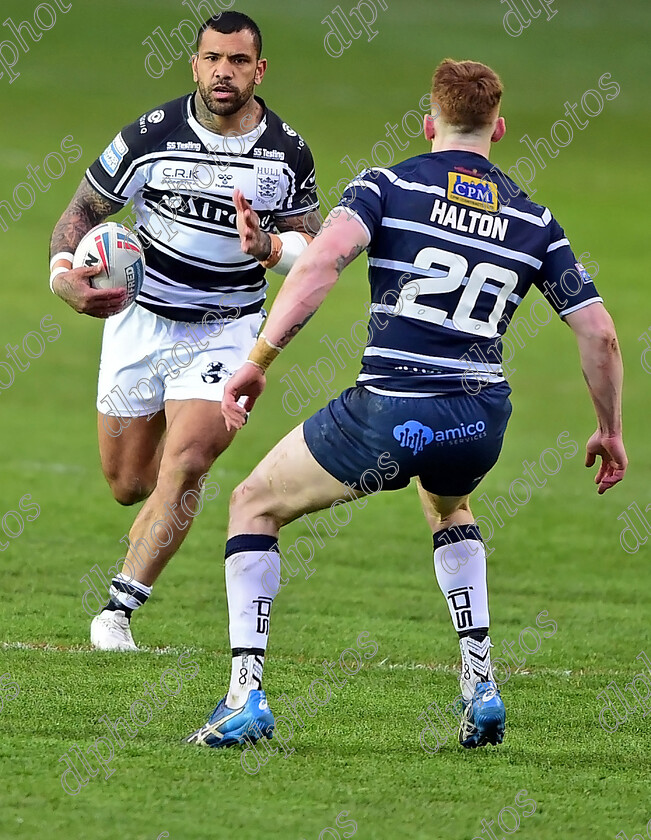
x: 110, y: 630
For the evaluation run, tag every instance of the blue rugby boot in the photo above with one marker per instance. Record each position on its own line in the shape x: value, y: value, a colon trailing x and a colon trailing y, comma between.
x: 228, y: 727
x: 484, y: 717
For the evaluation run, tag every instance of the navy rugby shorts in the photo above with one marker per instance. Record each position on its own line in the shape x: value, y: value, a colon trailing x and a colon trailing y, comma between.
x: 449, y: 442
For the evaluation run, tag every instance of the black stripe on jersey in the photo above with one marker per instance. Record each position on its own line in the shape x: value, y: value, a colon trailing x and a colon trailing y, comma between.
x: 309, y: 209
x: 193, y: 316
x: 201, y: 228
x: 155, y: 203
x: 206, y: 227
x: 199, y: 159
x: 194, y: 206
x: 202, y: 278
x: 96, y: 186
x: 239, y: 268
x: 292, y: 183
x: 173, y: 217
x: 166, y: 281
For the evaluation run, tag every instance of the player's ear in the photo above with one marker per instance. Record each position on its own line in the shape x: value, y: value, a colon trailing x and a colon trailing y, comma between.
x: 195, y: 60
x: 429, y: 123
x: 499, y: 131
x: 261, y: 69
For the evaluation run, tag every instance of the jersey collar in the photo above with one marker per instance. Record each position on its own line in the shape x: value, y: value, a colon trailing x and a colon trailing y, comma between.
x: 233, y: 145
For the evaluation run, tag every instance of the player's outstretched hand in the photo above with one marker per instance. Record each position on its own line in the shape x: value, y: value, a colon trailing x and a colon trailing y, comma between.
x: 75, y: 289
x: 252, y: 240
x: 610, y: 448
x: 249, y: 381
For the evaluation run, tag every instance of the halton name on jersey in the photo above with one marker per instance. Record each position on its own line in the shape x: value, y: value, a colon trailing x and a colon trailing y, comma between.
x: 181, y: 178
x: 455, y: 247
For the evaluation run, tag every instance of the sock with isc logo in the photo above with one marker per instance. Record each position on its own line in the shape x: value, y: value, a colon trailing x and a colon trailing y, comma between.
x: 252, y: 582
x: 460, y: 568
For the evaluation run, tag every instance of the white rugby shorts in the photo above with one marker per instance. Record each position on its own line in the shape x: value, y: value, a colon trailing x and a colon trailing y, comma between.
x: 147, y: 359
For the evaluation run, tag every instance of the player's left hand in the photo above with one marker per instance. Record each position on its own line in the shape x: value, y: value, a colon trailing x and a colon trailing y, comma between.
x: 610, y: 448
x: 253, y: 241
x: 249, y: 381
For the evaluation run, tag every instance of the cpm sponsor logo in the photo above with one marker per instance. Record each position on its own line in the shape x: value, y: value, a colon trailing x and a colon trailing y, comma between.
x: 466, y: 189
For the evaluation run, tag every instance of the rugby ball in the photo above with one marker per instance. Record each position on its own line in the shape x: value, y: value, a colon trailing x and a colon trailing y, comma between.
x: 119, y: 253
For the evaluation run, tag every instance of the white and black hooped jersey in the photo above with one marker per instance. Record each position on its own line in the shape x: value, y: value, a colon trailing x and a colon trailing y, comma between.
x: 181, y: 178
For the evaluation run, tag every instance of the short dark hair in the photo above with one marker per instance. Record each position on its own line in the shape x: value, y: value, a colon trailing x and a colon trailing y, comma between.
x: 229, y: 22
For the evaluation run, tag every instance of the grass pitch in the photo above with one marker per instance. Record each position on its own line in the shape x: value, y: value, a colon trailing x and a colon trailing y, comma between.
x: 560, y: 552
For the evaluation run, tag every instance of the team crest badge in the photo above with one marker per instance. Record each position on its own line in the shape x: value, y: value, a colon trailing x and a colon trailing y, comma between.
x: 583, y: 273
x: 215, y: 372
x: 267, y: 184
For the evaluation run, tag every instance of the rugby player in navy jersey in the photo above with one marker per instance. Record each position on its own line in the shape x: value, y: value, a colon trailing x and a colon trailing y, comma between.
x: 189, y: 167
x: 455, y: 245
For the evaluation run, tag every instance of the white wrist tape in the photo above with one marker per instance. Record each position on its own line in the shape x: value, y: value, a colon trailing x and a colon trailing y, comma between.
x: 62, y: 255
x: 55, y: 273
x: 294, y: 244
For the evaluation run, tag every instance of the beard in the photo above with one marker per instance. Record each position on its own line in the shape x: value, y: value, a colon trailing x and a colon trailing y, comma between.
x: 225, y: 109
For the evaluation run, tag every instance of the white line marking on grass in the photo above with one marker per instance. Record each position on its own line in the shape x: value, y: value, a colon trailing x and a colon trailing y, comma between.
x: 384, y: 664
x: 48, y: 648
x: 451, y: 669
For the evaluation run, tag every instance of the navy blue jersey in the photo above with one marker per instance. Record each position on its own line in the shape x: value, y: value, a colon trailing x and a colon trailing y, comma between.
x: 455, y: 247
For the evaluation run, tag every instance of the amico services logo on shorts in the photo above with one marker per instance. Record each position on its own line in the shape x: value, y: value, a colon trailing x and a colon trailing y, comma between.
x: 415, y: 436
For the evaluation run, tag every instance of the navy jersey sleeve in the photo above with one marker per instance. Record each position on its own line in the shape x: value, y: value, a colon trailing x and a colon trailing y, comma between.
x: 115, y: 174
x: 303, y: 197
x: 562, y: 279
x: 363, y: 197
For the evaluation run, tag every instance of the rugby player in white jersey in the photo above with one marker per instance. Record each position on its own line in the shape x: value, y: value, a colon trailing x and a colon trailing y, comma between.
x: 222, y: 189
x: 427, y: 403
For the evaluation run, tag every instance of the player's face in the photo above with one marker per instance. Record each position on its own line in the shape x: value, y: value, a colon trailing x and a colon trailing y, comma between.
x: 227, y: 70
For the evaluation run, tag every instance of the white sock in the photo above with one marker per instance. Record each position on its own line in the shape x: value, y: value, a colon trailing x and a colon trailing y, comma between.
x: 460, y: 568
x: 129, y: 593
x: 252, y: 582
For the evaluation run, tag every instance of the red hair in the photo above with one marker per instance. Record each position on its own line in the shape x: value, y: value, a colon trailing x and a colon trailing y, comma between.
x: 467, y: 94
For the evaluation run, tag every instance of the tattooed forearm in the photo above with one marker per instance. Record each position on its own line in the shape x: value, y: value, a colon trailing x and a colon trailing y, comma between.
x: 287, y: 337
x: 87, y: 209
x: 343, y: 261
x: 309, y: 224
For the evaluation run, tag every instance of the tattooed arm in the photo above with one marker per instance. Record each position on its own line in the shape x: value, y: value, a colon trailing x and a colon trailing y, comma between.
x: 86, y: 210
x: 308, y: 223
x: 316, y: 271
